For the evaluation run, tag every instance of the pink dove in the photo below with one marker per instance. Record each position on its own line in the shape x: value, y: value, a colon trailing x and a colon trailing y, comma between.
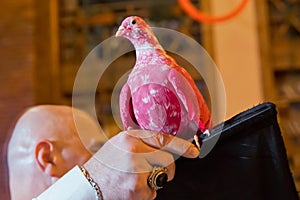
x: 159, y: 94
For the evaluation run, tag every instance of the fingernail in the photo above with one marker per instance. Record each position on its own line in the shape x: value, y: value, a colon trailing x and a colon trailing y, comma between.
x: 194, y: 151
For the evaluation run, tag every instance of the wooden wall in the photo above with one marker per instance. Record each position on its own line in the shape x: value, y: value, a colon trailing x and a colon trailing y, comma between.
x: 16, y: 72
x: 236, y: 45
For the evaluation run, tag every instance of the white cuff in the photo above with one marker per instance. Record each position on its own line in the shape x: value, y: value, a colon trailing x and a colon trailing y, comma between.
x: 73, y: 185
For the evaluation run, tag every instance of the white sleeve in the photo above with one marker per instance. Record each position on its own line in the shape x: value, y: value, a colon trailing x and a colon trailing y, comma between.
x: 73, y: 185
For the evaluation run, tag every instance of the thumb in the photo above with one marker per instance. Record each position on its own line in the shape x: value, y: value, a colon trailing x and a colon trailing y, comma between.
x: 166, y: 142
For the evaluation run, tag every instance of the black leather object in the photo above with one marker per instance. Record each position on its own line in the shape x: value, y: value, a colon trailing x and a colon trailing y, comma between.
x: 248, y: 162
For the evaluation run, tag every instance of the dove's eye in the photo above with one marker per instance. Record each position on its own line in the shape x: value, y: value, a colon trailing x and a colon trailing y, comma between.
x: 133, y: 22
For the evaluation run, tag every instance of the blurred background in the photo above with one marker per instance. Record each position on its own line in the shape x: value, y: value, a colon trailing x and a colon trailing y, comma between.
x: 43, y: 43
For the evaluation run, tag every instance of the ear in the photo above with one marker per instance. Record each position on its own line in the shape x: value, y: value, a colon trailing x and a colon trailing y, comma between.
x: 45, y: 156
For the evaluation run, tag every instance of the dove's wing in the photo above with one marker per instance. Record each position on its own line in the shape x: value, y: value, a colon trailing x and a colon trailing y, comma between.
x: 191, y: 99
x: 126, y: 108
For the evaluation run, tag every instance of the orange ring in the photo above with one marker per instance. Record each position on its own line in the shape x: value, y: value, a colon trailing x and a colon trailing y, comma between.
x: 195, y: 14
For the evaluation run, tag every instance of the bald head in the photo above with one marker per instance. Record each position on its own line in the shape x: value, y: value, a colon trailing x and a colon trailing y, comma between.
x: 41, y: 122
x: 46, y: 143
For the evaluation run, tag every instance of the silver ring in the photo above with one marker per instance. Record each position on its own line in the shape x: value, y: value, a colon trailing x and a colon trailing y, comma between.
x: 158, y: 178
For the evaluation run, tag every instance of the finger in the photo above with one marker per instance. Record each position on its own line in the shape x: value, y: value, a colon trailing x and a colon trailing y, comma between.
x: 171, y: 171
x: 153, y: 157
x: 162, y: 159
x: 151, y: 194
x: 181, y: 147
x: 137, y: 187
x: 130, y: 154
x: 145, y: 192
x: 167, y: 142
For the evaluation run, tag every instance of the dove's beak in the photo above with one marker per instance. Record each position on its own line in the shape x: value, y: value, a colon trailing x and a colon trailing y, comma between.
x: 120, y: 31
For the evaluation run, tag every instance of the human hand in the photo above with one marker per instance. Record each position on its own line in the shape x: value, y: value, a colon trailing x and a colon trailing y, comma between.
x: 122, y: 166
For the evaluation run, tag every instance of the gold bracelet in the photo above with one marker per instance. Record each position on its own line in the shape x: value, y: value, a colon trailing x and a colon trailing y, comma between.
x: 96, y: 187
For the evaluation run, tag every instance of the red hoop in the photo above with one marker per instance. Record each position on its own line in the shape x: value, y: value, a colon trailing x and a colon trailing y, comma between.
x: 195, y: 14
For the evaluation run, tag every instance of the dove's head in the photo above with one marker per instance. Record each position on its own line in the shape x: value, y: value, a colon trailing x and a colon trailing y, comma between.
x: 137, y: 31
